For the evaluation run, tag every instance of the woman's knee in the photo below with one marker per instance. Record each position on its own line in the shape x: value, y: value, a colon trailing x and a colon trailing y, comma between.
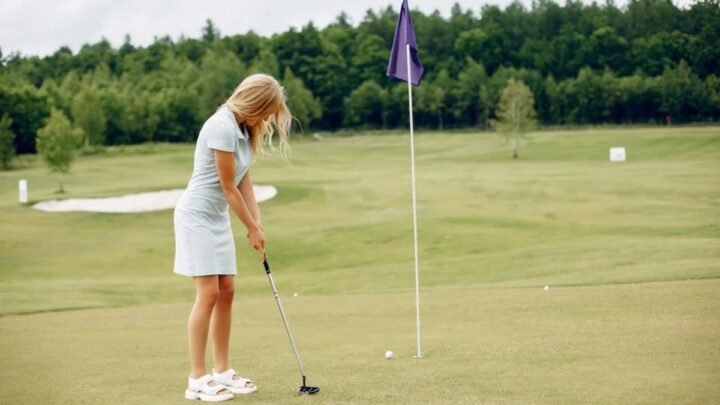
x: 208, y: 295
x: 226, y: 292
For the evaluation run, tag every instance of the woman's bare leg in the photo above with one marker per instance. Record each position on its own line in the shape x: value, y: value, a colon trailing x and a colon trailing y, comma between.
x: 220, y: 324
x: 221, y: 321
x: 207, y: 293
x: 206, y: 297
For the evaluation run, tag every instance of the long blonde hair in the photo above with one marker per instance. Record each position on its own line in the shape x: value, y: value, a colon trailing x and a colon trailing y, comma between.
x: 261, y: 99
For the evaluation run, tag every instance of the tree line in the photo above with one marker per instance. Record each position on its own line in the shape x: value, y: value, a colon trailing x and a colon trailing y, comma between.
x: 648, y: 62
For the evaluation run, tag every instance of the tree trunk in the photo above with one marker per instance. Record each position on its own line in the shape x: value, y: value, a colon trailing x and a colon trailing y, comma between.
x: 516, y: 128
x: 60, y: 181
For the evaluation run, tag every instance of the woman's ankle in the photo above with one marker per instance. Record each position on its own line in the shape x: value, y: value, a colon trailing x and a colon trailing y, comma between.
x: 220, y: 370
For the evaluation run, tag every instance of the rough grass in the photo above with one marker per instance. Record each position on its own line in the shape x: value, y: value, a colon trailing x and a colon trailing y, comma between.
x: 631, y: 251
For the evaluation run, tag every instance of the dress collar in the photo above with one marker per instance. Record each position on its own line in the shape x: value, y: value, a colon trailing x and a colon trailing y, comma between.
x: 242, y: 131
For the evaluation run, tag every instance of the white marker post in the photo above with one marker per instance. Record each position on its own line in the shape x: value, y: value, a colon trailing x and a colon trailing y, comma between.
x: 23, y: 191
x: 412, y: 164
x: 617, y: 154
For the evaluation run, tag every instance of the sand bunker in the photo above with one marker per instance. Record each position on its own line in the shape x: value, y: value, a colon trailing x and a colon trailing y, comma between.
x: 154, y: 201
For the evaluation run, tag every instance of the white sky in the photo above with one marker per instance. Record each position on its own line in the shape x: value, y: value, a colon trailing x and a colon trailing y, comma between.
x: 40, y: 27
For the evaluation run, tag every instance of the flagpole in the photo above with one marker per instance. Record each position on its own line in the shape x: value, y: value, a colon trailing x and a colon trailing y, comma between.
x: 414, y: 203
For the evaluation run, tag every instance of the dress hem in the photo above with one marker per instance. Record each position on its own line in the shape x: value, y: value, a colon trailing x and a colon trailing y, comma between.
x: 202, y: 275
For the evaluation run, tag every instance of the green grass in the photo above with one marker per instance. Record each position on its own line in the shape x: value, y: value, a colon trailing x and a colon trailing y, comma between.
x: 631, y: 252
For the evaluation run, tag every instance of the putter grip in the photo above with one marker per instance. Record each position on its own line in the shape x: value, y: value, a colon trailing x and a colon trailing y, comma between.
x: 267, y: 266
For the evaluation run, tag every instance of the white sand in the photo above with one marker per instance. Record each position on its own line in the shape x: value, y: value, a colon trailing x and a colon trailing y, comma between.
x: 155, y: 201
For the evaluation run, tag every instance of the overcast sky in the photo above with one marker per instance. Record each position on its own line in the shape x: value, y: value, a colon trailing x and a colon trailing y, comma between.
x: 40, y: 27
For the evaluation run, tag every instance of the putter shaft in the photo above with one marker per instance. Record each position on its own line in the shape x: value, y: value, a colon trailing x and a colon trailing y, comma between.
x: 282, y: 314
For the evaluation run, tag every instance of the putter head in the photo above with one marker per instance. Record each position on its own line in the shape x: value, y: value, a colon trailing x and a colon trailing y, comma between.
x: 308, y: 390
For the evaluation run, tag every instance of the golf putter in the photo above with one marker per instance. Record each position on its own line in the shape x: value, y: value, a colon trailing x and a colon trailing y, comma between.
x: 304, y: 389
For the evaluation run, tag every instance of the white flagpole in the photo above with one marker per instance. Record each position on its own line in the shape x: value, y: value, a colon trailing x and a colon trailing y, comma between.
x: 412, y: 163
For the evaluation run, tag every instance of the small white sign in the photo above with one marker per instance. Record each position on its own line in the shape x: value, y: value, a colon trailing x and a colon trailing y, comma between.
x: 23, y: 191
x: 617, y: 154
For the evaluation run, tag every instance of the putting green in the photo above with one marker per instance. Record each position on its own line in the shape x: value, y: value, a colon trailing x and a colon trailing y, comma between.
x: 630, y: 251
x: 650, y: 343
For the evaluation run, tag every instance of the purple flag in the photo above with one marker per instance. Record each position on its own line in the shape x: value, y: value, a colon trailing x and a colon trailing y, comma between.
x: 404, y: 34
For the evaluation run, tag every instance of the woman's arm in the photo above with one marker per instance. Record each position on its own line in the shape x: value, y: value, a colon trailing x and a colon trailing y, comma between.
x: 246, y: 190
x: 225, y: 165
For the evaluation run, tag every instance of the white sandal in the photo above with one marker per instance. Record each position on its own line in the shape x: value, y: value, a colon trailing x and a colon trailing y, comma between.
x: 201, y: 389
x: 236, y: 386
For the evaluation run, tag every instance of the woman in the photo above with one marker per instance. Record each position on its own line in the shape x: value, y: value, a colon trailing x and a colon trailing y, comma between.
x: 204, y: 245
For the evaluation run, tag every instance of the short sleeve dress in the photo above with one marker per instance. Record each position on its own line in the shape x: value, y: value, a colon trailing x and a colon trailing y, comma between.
x: 204, y: 243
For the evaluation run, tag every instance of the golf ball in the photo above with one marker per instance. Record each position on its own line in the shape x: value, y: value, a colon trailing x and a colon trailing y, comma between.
x: 388, y: 355
x: 295, y: 294
x: 547, y: 288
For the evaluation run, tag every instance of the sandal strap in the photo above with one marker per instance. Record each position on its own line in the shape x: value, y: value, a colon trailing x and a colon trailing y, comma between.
x: 241, y: 383
x: 197, y: 383
x: 213, y: 390
x: 227, y: 378
x: 225, y: 375
x: 202, y: 384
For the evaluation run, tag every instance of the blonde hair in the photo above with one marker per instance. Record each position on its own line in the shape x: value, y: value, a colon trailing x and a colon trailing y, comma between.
x: 261, y: 99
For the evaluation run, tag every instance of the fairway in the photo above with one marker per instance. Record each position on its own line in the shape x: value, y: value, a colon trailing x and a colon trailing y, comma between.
x: 631, y: 252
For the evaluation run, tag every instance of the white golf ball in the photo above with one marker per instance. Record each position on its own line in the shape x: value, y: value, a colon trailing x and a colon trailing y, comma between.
x: 295, y: 294
x: 547, y: 288
x: 388, y: 355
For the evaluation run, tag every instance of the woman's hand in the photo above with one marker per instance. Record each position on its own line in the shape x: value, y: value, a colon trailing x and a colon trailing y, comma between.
x: 256, y: 238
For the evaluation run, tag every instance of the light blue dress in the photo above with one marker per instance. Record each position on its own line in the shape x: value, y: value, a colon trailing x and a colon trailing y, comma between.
x: 204, y: 243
